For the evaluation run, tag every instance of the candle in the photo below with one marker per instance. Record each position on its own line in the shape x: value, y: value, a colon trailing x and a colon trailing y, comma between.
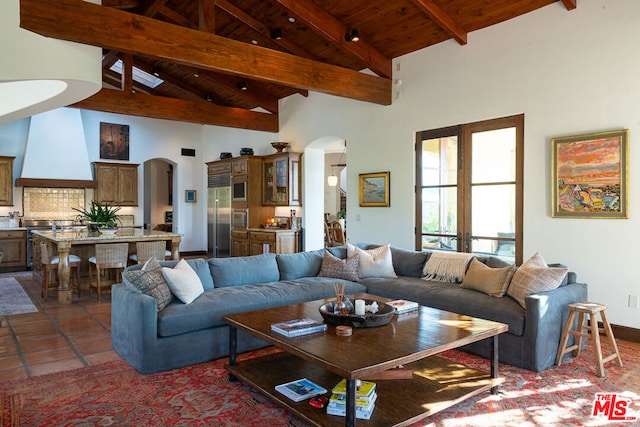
x: 359, y: 307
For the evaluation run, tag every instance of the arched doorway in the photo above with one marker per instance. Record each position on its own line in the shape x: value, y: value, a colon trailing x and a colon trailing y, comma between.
x: 158, y: 194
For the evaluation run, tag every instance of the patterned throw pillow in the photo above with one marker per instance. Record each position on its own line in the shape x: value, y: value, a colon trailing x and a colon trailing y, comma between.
x: 535, y: 276
x: 346, y: 269
x: 151, y: 282
x: 491, y: 281
x: 376, y: 262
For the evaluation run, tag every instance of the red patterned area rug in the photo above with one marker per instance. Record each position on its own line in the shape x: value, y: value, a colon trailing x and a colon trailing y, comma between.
x: 114, y: 394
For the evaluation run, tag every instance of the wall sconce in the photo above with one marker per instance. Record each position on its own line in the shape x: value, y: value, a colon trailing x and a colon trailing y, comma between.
x: 276, y: 34
x: 242, y: 86
x: 354, y: 36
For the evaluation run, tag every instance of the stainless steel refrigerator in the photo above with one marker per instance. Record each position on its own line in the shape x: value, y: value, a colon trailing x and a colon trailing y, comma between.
x: 219, y: 216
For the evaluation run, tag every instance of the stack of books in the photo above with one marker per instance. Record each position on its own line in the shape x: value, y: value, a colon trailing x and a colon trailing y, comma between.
x: 300, y: 389
x: 403, y: 306
x: 297, y: 327
x: 365, y: 399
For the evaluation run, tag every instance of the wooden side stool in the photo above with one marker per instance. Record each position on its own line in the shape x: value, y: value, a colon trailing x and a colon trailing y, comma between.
x: 590, y: 308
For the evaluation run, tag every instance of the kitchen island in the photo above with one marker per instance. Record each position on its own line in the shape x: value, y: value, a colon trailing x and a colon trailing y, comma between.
x: 64, y: 240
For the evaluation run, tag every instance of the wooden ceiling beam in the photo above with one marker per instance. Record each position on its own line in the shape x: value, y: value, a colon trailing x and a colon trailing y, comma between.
x: 251, y: 94
x: 83, y: 22
x: 442, y: 19
x: 159, y: 107
x: 121, y: 4
x: 333, y: 30
x: 115, y: 80
x: 569, y: 4
x: 207, y: 16
x: 177, y: 18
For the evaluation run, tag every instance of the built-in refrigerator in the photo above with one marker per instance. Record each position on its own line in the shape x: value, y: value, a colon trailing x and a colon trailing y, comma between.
x: 219, y: 216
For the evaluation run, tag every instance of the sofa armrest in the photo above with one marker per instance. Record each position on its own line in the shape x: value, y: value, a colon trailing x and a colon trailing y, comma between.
x: 547, y: 313
x: 134, y: 324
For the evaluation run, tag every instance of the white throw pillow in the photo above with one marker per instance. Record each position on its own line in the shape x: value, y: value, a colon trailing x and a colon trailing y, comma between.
x: 375, y: 262
x: 183, y: 281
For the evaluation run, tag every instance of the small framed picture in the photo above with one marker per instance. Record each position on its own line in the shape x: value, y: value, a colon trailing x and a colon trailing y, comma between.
x: 374, y: 189
x: 190, y: 196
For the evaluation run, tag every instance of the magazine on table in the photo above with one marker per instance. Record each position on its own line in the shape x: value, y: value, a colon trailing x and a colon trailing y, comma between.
x: 403, y: 306
x: 364, y: 389
x: 297, y: 327
x: 301, y: 389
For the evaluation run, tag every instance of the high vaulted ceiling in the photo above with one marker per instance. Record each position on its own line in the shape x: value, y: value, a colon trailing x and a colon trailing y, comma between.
x: 229, y: 62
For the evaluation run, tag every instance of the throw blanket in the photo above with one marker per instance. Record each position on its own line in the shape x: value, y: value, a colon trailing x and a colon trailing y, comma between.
x: 446, y: 266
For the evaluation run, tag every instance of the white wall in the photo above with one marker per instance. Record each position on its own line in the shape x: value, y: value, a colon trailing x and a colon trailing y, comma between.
x: 569, y: 72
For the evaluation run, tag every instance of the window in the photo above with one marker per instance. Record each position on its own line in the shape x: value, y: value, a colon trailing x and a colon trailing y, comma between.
x: 469, y: 188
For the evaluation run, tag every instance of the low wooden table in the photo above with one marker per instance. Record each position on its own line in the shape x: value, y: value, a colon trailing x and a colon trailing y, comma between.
x: 412, y: 340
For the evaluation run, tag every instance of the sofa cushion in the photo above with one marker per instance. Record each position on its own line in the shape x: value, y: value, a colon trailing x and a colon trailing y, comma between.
x: 535, y: 276
x: 337, y: 268
x: 444, y: 266
x: 183, y: 282
x: 491, y: 281
x: 375, y: 262
x: 151, y: 282
x: 248, y: 270
x: 405, y: 262
x: 199, y: 265
x: 300, y: 264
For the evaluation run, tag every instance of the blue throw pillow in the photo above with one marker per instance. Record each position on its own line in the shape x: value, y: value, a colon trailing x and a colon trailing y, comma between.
x: 247, y: 270
x: 301, y: 264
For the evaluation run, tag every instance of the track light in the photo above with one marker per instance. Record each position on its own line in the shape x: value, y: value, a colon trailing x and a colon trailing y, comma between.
x: 276, y: 34
x: 208, y: 97
x: 354, y: 36
x: 242, y: 86
x: 156, y: 72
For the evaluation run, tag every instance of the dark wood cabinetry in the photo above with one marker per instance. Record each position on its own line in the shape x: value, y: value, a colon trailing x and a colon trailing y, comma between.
x: 13, y: 245
x: 6, y: 181
x: 117, y: 183
x: 281, y: 179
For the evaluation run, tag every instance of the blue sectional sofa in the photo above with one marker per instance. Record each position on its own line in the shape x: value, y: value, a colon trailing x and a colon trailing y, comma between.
x: 186, y: 334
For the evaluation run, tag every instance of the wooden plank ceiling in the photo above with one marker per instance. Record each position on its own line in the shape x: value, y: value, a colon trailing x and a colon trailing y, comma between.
x: 229, y: 62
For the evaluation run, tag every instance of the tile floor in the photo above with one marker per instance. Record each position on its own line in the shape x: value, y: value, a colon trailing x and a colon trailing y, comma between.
x: 62, y: 337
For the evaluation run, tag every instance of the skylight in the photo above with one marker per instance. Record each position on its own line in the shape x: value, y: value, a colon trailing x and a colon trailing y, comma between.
x: 138, y: 75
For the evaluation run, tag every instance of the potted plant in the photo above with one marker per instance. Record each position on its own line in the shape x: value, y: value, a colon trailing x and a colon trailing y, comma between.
x: 99, y: 215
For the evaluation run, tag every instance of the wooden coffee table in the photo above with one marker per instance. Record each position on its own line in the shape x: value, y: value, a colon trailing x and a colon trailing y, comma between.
x: 412, y: 340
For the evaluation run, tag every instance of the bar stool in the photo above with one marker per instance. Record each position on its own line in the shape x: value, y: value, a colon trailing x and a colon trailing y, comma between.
x: 49, y: 264
x: 108, y: 256
x: 591, y: 309
x: 146, y: 250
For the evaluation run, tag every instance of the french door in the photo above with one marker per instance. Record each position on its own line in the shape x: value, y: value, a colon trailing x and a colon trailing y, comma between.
x: 469, y: 188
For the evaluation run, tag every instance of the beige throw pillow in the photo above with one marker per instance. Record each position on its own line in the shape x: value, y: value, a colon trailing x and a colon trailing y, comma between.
x: 346, y: 269
x: 445, y: 266
x: 491, y: 281
x: 375, y: 262
x: 534, y: 276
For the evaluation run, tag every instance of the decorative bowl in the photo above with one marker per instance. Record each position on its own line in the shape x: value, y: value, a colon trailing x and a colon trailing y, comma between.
x: 246, y: 151
x: 368, y: 320
x: 225, y: 155
x: 107, y: 231
x: 280, y: 146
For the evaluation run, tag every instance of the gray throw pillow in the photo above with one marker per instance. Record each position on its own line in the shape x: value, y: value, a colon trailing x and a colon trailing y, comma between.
x: 152, y: 283
x: 346, y: 269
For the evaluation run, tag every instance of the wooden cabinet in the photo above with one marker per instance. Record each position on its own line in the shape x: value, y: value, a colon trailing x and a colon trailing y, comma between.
x: 6, y: 181
x: 239, y: 242
x: 277, y: 242
x: 281, y: 179
x: 13, y: 245
x: 117, y: 183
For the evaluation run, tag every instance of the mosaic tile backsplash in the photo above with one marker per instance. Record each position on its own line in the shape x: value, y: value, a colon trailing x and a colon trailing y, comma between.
x: 52, y: 203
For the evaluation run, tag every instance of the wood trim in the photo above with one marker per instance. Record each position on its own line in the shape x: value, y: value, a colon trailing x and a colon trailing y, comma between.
x: 138, y: 104
x: 83, y: 22
x: 569, y: 4
x: 55, y: 183
x: 625, y: 333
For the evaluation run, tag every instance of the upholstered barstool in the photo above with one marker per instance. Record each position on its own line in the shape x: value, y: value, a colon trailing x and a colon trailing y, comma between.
x: 591, y: 309
x: 108, y: 256
x: 146, y: 250
x: 50, y: 264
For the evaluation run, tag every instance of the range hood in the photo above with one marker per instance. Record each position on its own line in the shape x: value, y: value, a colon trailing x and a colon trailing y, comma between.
x: 56, y: 152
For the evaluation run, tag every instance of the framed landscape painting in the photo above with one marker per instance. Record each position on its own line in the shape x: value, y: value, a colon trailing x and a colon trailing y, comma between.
x: 589, y: 175
x: 374, y: 189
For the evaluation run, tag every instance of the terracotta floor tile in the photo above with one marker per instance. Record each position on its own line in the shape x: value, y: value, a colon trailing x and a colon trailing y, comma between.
x: 88, y: 336
x: 57, y: 366
x: 33, y: 345
x: 104, y: 357
x: 93, y: 347
x: 13, y: 374
x: 7, y: 347
x: 52, y: 355
x: 20, y: 319
x: 10, y: 362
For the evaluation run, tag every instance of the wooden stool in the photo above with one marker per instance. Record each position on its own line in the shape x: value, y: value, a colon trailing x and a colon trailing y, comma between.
x: 590, y: 308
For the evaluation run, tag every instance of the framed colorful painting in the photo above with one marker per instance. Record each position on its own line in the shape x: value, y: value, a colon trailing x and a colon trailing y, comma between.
x: 374, y: 189
x: 589, y: 175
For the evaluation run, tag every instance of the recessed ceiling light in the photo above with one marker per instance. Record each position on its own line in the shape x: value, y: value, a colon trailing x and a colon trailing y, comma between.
x: 254, y: 41
x: 292, y: 19
x: 196, y: 75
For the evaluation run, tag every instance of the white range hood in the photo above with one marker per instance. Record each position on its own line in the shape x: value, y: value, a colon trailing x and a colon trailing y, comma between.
x: 56, y: 152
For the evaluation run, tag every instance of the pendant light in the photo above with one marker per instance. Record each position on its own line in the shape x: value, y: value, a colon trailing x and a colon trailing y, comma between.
x: 332, y: 180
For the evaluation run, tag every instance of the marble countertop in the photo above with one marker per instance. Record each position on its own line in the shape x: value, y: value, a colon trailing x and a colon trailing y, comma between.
x: 6, y: 227
x: 82, y: 235
x: 271, y: 230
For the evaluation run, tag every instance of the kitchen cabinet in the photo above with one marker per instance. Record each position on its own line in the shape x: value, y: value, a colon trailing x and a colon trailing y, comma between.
x: 13, y: 245
x: 273, y: 241
x: 117, y: 183
x: 281, y: 179
x: 239, y: 242
x: 6, y: 181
